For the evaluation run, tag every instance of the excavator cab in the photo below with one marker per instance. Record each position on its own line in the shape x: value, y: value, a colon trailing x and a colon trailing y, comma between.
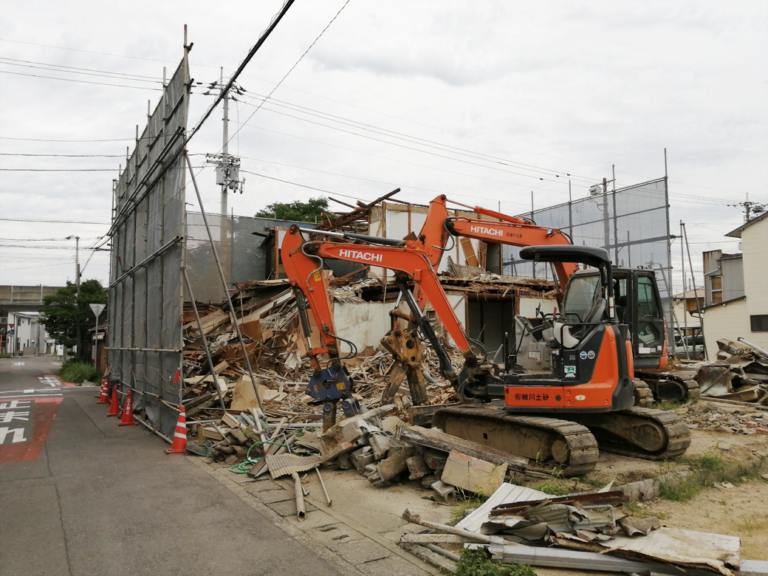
x: 637, y: 304
x: 591, y: 353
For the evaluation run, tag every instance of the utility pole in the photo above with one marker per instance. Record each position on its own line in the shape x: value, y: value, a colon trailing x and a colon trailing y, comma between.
x: 77, y: 298
x: 606, y: 219
x: 685, y: 300
x: 225, y: 143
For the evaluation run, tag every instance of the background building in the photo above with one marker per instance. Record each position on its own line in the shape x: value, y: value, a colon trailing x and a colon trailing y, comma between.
x: 736, y: 288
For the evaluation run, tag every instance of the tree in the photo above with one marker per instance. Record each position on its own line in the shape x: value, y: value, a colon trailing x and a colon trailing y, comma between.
x: 296, y: 211
x: 63, y: 311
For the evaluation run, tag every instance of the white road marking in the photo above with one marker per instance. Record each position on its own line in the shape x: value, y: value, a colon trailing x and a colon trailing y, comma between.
x: 51, y: 381
x: 16, y: 435
x: 18, y: 363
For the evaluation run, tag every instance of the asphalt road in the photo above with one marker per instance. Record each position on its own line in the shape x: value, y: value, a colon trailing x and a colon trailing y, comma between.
x: 102, y: 500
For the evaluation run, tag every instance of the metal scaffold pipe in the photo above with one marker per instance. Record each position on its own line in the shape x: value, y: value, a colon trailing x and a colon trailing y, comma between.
x: 260, y: 429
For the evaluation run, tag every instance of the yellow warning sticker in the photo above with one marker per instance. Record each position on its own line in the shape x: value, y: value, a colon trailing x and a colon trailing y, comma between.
x: 316, y: 277
x: 339, y: 385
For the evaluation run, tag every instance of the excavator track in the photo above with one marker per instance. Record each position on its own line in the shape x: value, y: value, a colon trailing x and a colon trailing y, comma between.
x: 643, y: 393
x: 549, y: 443
x: 639, y: 432
x: 671, y: 386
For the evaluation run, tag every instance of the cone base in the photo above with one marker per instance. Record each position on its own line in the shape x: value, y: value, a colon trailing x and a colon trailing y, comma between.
x: 176, y: 452
x: 110, y: 415
x: 126, y: 424
x: 103, y: 401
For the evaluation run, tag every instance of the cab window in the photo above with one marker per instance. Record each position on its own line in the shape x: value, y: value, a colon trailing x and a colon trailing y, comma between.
x: 580, y: 297
x: 646, y: 299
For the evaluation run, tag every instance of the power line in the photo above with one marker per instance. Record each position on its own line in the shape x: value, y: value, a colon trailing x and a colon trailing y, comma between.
x: 286, y: 74
x: 46, y: 247
x: 66, y: 155
x: 32, y: 62
x: 58, y: 169
x: 383, y: 182
x: 412, y: 148
x: 302, y: 185
x: 415, y: 139
x: 527, y: 187
x: 49, y: 140
x: 53, y: 221
x: 100, y: 53
x: 80, y: 81
x: 45, y: 239
x: 115, y: 76
x: 40, y: 266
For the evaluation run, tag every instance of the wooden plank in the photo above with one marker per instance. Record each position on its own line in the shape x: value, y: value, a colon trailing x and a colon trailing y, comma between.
x: 252, y: 330
x: 469, y: 252
x: 473, y: 474
x: 446, y: 442
x: 230, y: 421
x: 220, y: 367
x: 420, y: 415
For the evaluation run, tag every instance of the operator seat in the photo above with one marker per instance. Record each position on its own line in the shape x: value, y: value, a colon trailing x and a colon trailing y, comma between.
x: 572, y: 339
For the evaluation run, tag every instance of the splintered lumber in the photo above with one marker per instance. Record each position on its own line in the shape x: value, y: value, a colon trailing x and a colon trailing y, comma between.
x: 446, y: 443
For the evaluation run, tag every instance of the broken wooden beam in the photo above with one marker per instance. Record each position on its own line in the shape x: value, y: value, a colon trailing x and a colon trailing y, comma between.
x: 446, y: 442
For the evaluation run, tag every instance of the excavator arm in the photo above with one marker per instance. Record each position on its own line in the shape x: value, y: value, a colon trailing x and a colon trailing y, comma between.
x: 303, y: 263
x: 508, y: 230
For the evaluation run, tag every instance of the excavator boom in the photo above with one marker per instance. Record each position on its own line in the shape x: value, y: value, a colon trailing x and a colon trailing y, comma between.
x: 508, y: 230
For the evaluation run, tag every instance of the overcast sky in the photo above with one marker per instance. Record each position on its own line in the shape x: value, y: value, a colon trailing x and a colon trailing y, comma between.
x: 549, y: 88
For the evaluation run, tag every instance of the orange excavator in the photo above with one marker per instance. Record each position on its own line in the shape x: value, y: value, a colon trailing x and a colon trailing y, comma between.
x: 590, y: 384
x: 637, y: 301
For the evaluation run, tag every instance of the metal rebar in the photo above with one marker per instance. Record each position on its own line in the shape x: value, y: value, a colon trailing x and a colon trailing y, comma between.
x: 136, y: 349
x: 442, y: 552
x: 259, y: 428
x: 205, y: 340
x: 301, y: 512
x: 748, y: 343
x: 325, y: 490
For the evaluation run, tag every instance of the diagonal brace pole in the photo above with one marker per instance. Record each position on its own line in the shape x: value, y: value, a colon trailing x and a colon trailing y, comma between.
x: 205, y: 340
x: 259, y: 428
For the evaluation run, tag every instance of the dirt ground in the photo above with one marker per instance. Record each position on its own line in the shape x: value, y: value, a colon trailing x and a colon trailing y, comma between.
x: 739, y: 511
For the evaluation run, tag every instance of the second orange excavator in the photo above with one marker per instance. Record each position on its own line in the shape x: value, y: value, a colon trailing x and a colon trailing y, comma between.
x: 637, y: 301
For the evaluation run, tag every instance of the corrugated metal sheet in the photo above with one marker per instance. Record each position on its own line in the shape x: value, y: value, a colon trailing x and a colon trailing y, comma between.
x: 733, y: 278
x: 506, y: 494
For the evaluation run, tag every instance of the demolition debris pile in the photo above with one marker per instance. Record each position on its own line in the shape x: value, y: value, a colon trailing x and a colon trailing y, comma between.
x: 739, y: 374
x: 269, y: 321
x: 578, y: 531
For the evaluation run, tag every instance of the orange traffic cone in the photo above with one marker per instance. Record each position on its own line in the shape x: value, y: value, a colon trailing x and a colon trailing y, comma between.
x: 104, y: 396
x: 114, y: 407
x: 127, y: 419
x: 179, y: 445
